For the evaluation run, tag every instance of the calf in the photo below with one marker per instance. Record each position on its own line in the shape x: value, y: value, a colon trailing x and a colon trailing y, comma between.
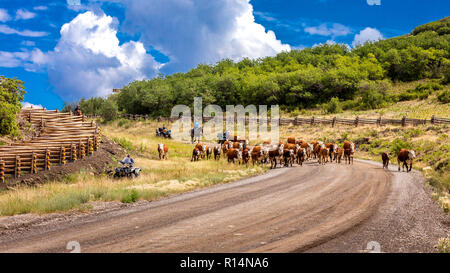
x: 405, y: 156
x: 257, y: 155
x: 275, y: 154
x: 301, y: 155
x: 323, y: 154
x: 385, y: 158
x: 349, y: 150
x: 163, y: 151
x: 202, y: 147
x: 195, y: 154
x: 245, y: 156
x: 291, y: 140
x: 233, y: 155
x: 339, y: 153
x: 217, y: 152
x: 288, y: 155
x: 238, y: 145
x: 209, y: 152
x: 332, y: 152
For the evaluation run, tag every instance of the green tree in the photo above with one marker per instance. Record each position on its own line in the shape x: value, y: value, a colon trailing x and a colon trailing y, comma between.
x: 11, y: 95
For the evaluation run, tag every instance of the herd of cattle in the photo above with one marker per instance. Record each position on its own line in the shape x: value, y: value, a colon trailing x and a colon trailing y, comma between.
x: 294, y: 151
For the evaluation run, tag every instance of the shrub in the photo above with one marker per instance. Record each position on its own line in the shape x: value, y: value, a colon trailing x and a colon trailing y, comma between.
x: 333, y: 106
x: 399, y: 144
x: 443, y: 245
x: 130, y: 196
x: 373, y: 95
x: 125, y: 143
x: 444, y: 96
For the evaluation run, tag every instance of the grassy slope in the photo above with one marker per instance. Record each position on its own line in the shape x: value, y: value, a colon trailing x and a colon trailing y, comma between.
x: 158, y: 179
x: 431, y: 143
x: 411, y: 109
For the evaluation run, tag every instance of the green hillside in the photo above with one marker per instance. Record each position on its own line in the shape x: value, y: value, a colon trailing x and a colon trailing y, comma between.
x: 358, y: 79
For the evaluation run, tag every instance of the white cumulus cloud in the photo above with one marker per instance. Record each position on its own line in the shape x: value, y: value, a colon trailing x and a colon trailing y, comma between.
x: 89, y: 61
x: 367, y: 35
x: 4, y: 15
x: 199, y: 31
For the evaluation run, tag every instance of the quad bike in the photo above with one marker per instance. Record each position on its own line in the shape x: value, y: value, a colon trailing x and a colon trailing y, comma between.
x: 126, y: 170
x: 166, y: 133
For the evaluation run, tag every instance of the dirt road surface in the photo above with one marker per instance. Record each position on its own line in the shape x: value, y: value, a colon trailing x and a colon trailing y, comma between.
x: 331, y: 208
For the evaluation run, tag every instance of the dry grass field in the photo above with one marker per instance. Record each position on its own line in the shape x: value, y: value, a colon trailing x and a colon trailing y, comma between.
x: 158, y: 178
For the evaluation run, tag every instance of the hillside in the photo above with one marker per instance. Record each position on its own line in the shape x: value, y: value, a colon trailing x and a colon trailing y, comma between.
x: 361, y: 78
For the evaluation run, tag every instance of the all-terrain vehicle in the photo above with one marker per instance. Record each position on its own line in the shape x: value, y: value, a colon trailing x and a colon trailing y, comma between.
x: 127, y: 170
x: 162, y: 132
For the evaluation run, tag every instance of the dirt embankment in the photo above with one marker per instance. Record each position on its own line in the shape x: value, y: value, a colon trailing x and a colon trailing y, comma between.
x: 97, y: 163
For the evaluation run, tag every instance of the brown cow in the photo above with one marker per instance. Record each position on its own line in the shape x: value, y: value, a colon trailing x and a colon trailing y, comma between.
x: 323, y: 154
x: 257, y: 155
x: 301, y: 155
x: 332, y: 147
x: 339, y: 154
x: 349, y: 150
x: 405, y: 156
x: 317, y: 147
x: 195, y: 154
x: 274, y: 154
x: 209, y: 152
x: 237, y: 145
x: 233, y: 155
x: 163, y: 151
x: 289, y: 157
x: 217, y: 152
x: 202, y: 147
x: 245, y: 156
x: 385, y: 158
x: 291, y: 140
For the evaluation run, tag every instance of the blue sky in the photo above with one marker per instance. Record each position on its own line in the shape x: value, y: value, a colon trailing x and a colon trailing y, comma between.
x: 106, y: 44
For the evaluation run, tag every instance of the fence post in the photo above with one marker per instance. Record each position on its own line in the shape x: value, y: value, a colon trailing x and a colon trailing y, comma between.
x: 32, y: 163
x: 356, y: 121
x: 2, y: 171
x: 432, y: 119
x: 379, y: 121
x: 333, y: 122
x: 312, y: 120
x: 61, y: 155
x: 79, y: 148
x: 71, y: 151
x: 46, y: 159
x: 17, y: 167
x: 404, y: 121
x: 74, y: 152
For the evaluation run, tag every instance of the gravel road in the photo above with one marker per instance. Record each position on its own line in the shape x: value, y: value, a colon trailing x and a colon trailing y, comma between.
x: 331, y: 208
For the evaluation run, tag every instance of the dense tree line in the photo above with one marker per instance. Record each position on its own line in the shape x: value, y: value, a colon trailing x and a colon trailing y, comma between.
x: 330, y: 75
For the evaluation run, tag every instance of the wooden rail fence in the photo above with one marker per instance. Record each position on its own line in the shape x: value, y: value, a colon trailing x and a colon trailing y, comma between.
x: 61, y: 138
x: 315, y: 120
